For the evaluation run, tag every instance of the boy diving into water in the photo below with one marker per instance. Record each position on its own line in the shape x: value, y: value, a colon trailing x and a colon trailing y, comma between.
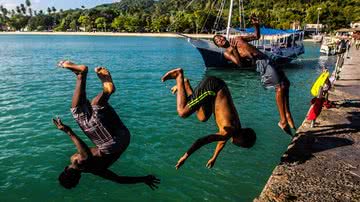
x: 240, y: 52
x: 211, y: 96
x: 102, y: 125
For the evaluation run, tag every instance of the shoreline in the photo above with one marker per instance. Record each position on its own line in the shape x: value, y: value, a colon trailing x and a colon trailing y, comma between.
x: 174, y: 35
x: 123, y: 34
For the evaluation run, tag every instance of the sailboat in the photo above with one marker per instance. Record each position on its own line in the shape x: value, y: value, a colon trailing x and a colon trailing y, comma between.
x: 283, y: 45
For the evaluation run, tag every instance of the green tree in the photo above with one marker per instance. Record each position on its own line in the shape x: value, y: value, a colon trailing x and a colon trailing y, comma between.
x: 118, y: 23
x: 40, y: 22
x: 101, y: 23
x: 131, y: 24
x: 160, y: 23
x: 85, y: 21
x: 64, y: 24
x: 73, y: 25
x: 18, y: 22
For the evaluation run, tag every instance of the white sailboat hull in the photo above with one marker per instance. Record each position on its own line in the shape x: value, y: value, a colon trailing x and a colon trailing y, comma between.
x: 213, y: 56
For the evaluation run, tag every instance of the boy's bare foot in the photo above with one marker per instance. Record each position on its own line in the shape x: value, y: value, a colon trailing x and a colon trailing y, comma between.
x: 172, y: 74
x: 285, y: 128
x: 290, y: 121
x: 105, y: 77
x: 291, y: 125
x: 73, y: 67
x: 174, y: 89
x: 188, y: 88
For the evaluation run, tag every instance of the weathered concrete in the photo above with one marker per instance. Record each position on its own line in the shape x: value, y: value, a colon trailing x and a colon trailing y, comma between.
x: 323, y: 163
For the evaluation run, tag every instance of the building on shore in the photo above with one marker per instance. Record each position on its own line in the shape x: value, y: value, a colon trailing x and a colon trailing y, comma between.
x: 311, y: 29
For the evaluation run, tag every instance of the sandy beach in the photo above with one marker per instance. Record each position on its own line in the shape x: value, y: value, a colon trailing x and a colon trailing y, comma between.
x: 109, y: 34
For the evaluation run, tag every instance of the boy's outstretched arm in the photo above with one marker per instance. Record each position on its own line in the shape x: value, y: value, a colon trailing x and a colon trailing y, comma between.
x: 256, y: 35
x: 199, y: 143
x: 149, y: 180
x: 82, y: 148
x: 220, y: 145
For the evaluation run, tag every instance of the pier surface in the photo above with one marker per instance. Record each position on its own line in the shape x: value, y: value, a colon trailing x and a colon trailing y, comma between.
x: 323, y: 163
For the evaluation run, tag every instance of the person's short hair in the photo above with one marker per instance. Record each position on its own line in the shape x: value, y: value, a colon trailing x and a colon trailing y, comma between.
x: 216, y: 35
x: 246, y: 139
x: 69, y: 178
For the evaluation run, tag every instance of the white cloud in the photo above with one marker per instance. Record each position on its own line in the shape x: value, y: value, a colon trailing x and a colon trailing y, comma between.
x: 9, y: 5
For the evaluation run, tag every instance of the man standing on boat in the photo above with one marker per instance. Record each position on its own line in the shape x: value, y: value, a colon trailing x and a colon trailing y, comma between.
x: 240, y: 52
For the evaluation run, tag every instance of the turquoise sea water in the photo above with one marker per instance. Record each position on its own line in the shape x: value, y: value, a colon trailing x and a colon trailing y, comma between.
x: 33, y: 90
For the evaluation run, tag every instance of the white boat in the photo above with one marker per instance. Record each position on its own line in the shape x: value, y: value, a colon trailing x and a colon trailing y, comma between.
x: 317, y: 38
x: 328, y: 46
x: 283, y: 45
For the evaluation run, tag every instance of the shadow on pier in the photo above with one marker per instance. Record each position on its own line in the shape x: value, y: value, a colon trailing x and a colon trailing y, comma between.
x: 324, y: 137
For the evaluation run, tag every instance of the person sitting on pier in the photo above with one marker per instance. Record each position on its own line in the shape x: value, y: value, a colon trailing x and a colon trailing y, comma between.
x: 210, y: 96
x: 102, y: 125
x: 240, y: 52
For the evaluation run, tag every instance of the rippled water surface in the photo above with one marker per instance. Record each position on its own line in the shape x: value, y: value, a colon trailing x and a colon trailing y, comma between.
x: 33, y: 90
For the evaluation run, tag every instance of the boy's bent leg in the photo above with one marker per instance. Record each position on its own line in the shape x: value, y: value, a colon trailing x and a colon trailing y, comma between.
x: 289, y: 118
x: 280, y: 102
x: 79, y: 96
x: 108, y: 87
x: 181, y: 99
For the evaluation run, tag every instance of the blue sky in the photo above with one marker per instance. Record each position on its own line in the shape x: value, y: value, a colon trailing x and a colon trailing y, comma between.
x: 58, y: 4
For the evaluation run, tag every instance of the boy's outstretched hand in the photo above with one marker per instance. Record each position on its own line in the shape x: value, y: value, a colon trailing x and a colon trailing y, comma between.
x: 181, y: 161
x: 151, y: 181
x: 58, y: 123
x: 254, y: 20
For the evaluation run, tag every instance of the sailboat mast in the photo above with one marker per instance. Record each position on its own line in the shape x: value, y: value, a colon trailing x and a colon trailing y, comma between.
x: 229, y: 20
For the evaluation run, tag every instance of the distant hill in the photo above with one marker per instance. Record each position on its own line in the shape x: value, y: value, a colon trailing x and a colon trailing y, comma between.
x: 193, y: 16
x: 129, y: 5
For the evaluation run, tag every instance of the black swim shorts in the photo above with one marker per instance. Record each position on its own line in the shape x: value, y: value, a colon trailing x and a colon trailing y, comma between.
x: 205, y: 92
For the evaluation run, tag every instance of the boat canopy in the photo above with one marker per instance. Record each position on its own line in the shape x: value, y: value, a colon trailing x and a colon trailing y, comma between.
x: 270, y: 31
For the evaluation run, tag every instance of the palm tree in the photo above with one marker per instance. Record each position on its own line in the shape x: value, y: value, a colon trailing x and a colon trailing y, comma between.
x: 35, y: 12
x: 23, y: 9
x: 4, y: 11
x: 30, y: 11
x: 82, y: 6
x: 28, y: 3
x: 18, y: 10
x: 41, y: 12
x: 61, y: 10
x: 49, y: 10
x: 53, y: 9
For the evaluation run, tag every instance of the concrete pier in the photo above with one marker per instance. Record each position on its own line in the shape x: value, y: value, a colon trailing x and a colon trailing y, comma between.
x: 323, y: 163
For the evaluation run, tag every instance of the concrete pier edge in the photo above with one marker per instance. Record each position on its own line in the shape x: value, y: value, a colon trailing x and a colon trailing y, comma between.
x: 323, y: 163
